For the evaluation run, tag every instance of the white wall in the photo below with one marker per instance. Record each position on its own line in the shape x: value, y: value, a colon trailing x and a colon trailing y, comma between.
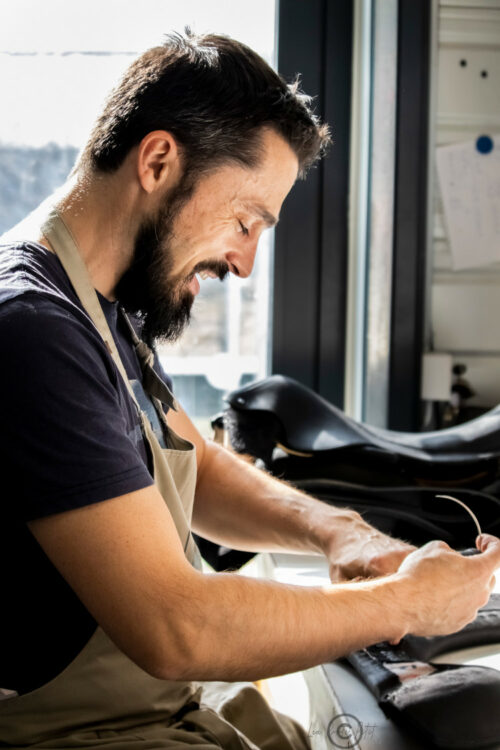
x: 464, y: 312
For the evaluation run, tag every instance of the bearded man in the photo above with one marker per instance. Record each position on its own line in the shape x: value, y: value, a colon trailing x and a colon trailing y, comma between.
x: 111, y: 635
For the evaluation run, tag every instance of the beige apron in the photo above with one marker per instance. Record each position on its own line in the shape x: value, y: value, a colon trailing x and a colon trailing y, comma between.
x: 102, y: 698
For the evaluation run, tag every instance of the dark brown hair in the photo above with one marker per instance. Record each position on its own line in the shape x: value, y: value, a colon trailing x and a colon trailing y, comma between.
x: 214, y: 95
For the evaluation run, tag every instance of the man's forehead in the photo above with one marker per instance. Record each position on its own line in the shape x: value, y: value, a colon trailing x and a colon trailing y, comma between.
x: 260, y: 189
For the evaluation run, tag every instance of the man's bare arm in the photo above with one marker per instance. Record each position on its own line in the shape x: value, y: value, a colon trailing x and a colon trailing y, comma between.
x: 242, y: 507
x: 125, y: 562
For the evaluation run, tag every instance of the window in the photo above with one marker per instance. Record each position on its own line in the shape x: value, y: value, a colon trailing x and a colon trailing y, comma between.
x: 58, y: 60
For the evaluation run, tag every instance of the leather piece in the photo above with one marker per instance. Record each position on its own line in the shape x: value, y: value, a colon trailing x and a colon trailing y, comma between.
x: 452, y: 706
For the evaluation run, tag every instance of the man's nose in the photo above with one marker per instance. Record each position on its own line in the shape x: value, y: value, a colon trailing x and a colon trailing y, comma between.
x: 241, y: 261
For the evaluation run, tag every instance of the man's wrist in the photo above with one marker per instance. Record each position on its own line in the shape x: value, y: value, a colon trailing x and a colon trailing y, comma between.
x: 399, y: 611
x: 329, y: 526
x: 380, y: 607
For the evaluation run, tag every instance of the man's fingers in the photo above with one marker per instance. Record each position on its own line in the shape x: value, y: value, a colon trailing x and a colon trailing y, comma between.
x: 493, y: 582
x: 489, y: 546
x: 336, y: 573
x: 436, y: 544
x: 389, y: 562
x: 488, y: 542
x: 342, y: 574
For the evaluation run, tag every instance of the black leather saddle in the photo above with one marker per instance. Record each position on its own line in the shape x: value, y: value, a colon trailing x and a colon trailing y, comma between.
x: 307, y: 425
x: 447, y: 705
x: 392, y: 478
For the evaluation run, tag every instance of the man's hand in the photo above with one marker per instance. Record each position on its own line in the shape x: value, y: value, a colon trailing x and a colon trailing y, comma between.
x: 445, y: 589
x: 355, y: 549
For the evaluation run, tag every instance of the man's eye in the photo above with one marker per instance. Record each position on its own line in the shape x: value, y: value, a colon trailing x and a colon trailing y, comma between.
x: 243, y: 228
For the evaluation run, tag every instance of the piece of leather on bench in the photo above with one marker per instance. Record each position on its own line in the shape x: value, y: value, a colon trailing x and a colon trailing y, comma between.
x: 456, y: 707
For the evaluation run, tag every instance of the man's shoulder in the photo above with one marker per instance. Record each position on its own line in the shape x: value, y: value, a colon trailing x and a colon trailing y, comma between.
x: 34, y: 283
x: 40, y: 313
x: 28, y: 267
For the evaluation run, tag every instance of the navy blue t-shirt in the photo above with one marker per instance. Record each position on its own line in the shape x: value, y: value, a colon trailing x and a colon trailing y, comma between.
x: 70, y: 437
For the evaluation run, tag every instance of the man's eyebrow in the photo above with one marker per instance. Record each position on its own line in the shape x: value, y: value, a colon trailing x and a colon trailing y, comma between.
x: 264, y: 214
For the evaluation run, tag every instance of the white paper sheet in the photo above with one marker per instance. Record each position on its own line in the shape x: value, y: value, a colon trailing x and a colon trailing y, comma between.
x: 470, y: 188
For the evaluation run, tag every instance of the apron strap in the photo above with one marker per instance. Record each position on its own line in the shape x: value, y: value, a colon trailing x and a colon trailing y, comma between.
x: 64, y: 244
x: 66, y: 249
x: 153, y: 384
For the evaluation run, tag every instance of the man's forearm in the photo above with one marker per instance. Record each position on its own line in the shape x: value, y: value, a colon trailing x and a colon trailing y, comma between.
x: 242, y: 507
x: 244, y: 629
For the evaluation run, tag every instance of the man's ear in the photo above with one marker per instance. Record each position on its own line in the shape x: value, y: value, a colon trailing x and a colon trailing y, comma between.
x: 158, y: 160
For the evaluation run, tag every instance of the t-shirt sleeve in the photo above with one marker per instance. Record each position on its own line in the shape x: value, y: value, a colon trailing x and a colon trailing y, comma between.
x: 66, y: 439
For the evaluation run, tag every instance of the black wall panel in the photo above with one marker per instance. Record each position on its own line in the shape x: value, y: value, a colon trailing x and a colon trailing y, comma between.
x: 311, y: 238
x: 410, y: 215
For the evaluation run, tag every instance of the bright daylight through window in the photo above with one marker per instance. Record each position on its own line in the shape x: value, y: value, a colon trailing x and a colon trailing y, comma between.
x: 58, y: 60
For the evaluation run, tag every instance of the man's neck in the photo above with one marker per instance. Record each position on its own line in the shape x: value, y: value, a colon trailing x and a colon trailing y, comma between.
x: 99, y: 215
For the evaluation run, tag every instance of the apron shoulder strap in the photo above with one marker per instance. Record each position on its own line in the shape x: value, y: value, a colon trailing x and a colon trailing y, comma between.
x: 64, y: 245
x: 152, y: 382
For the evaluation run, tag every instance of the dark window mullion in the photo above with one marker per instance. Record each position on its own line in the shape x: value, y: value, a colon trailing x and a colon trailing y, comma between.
x: 410, y: 219
x: 315, y: 38
x: 335, y: 194
x: 296, y: 252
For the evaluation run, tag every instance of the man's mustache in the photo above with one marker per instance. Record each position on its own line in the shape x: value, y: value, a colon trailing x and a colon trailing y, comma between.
x: 217, y: 267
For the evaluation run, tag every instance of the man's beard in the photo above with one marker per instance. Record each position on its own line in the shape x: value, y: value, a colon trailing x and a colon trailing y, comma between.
x: 147, y: 288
